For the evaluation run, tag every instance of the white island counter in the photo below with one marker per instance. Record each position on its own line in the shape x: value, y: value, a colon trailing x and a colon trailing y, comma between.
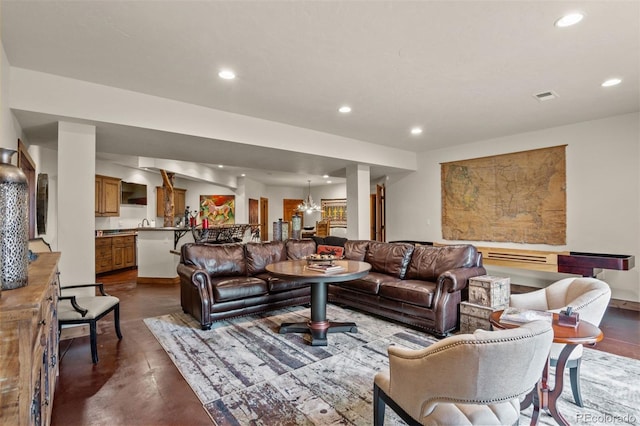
x: 156, y: 263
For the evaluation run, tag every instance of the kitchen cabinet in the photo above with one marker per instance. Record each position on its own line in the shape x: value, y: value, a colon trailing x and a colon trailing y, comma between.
x: 179, y: 201
x: 29, y: 350
x: 107, y: 196
x: 115, y: 252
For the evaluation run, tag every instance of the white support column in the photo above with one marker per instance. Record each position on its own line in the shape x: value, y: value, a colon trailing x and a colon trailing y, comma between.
x: 358, y: 217
x: 76, y: 202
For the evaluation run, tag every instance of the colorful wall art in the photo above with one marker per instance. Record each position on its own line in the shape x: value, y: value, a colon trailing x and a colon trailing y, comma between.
x: 218, y: 209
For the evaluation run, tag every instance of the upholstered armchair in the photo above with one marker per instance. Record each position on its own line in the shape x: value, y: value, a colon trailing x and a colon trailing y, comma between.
x: 464, y: 379
x: 587, y: 296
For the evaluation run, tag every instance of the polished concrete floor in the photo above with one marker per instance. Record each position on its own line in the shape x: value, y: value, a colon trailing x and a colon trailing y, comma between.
x: 135, y: 382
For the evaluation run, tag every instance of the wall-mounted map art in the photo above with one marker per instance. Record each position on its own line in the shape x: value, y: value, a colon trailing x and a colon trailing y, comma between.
x: 218, y: 209
x: 335, y: 210
x: 518, y: 197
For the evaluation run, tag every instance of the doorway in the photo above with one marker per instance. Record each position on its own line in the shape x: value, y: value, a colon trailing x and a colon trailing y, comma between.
x: 26, y: 164
x: 264, y: 219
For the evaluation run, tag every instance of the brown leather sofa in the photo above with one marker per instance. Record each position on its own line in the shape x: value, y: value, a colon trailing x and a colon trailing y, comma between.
x: 220, y: 281
x: 418, y: 285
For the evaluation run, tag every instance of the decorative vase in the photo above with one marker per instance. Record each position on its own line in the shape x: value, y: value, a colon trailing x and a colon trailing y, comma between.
x: 14, y: 223
x: 296, y: 225
x: 277, y: 230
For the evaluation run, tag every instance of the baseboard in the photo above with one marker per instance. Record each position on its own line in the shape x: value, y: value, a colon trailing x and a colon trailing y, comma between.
x: 163, y: 281
x: 614, y: 303
x: 72, y: 332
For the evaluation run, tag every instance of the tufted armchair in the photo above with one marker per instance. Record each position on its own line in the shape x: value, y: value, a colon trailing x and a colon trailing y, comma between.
x: 467, y: 379
x: 587, y: 296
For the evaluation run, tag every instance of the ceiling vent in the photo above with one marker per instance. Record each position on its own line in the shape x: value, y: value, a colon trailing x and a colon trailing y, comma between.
x: 545, y: 96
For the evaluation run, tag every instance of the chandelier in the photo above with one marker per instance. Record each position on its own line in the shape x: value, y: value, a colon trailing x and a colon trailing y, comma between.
x: 308, y: 205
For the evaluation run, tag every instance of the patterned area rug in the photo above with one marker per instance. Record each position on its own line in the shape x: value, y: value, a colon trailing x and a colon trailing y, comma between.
x: 244, y: 372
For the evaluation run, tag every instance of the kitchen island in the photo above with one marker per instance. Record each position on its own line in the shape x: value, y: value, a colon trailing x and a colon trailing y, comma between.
x: 156, y: 262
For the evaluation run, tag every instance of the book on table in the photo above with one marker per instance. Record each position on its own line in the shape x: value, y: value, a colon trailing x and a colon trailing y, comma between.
x: 519, y: 316
x: 326, y: 268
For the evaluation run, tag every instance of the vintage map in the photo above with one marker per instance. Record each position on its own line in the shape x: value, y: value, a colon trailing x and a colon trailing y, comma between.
x: 518, y: 197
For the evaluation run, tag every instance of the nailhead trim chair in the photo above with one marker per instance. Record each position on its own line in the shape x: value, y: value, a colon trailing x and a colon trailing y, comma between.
x: 587, y: 296
x: 467, y: 379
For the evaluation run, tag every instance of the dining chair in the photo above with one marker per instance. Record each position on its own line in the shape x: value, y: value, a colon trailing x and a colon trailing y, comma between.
x: 77, y: 309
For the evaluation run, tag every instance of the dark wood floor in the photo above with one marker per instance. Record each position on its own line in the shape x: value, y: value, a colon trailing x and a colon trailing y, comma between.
x: 135, y: 382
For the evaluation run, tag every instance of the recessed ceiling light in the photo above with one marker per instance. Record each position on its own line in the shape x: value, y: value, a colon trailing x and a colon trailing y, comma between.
x: 611, y: 82
x: 345, y: 109
x: 569, y: 19
x: 227, y: 74
x: 325, y: 176
x: 416, y: 131
x: 243, y: 174
x: 328, y: 181
x: 220, y: 166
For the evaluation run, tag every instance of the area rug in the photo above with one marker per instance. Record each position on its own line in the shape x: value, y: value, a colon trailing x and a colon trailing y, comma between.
x: 245, y: 373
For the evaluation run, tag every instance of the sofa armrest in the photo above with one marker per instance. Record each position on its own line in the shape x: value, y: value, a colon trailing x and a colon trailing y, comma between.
x: 193, y: 277
x: 458, y: 279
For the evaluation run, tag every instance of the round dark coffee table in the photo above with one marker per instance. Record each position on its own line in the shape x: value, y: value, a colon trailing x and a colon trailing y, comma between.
x: 319, y: 326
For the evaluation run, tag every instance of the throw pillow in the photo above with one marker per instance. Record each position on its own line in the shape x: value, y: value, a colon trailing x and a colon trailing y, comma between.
x: 332, y: 250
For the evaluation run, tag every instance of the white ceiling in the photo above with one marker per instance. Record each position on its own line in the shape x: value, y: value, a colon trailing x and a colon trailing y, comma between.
x: 463, y: 70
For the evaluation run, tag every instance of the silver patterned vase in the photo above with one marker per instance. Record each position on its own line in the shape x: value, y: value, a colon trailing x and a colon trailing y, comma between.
x: 14, y: 223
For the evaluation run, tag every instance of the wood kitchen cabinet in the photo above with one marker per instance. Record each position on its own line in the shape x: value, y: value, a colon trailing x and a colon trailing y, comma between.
x: 179, y: 201
x: 29, y: 349
x: 113, y: 253
x: 107, y: 196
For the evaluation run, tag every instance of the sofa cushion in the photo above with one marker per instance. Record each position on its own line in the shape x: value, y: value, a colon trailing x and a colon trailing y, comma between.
x: 389, y: 258
x: 370, y: 283
x: 428, y: 262
x: 259, y: 255
x: 234, y: 288
x: 331, y: 250
x: 356, y: 249
x: 415, y: 292
x: 216, y: 259
x: 299, y: 249
x: 276, y: 284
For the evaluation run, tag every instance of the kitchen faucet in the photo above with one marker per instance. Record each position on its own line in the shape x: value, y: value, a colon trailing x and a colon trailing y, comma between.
x: 142, y: 223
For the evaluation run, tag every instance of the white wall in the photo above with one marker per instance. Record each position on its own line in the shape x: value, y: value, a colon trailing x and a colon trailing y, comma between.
x: 9, y: 128
x: 603, y: 193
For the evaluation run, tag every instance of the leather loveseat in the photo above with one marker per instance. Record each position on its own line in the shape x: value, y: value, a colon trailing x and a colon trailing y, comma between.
x: 418, y: 285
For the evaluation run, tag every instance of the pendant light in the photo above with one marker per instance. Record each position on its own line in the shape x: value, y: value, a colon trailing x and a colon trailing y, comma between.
x: 308, y: 205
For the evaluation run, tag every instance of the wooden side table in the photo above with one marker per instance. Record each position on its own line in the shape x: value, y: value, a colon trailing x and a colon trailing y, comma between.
x: 543, y: 396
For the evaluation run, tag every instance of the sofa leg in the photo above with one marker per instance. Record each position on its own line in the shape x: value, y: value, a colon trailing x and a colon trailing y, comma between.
x: 206, y: 326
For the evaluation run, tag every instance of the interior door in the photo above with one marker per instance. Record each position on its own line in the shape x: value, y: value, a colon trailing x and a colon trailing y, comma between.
x: 377, y: 214
x: 264, y: 219
x: 254, y: 216
x: 289, y: 208
x: 381, y: 226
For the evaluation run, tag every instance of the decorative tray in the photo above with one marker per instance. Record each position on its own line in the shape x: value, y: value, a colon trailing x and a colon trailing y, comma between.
x: 321, y: 259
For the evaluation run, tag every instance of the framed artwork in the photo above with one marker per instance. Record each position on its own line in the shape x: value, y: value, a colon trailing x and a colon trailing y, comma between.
x: 218, y: 209
x: 335, y: 210
x: 518, y: 197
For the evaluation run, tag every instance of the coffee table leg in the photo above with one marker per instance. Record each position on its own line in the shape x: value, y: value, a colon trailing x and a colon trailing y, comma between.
x: 318, y: 327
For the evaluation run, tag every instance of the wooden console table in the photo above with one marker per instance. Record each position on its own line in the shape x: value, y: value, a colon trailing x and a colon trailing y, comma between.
x: 29, y: 350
